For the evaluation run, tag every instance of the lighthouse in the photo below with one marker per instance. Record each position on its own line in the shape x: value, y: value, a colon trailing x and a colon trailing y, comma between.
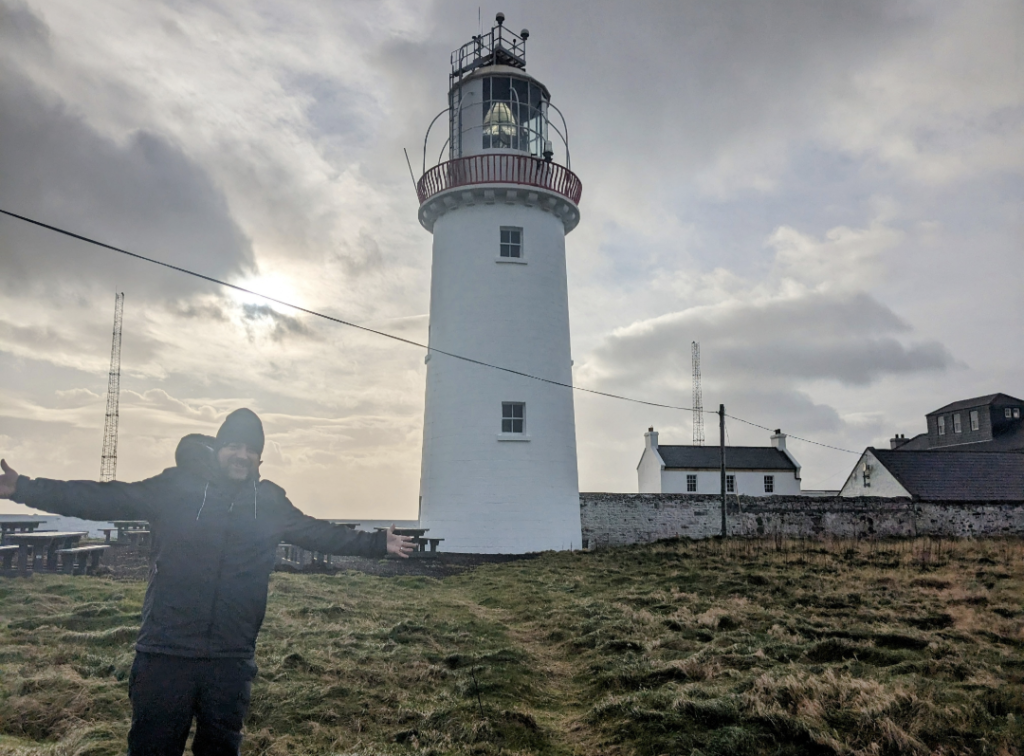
x: 499, y: 469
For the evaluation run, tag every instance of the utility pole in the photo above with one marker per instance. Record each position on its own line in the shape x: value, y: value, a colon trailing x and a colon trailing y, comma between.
x: 108, y: 457
x: 721, y: 445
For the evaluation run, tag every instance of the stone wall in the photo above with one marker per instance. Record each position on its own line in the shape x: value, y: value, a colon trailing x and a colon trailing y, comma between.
x: 618, y: 519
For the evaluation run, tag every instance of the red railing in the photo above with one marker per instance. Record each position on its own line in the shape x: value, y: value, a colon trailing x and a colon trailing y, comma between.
x: 500, y: 169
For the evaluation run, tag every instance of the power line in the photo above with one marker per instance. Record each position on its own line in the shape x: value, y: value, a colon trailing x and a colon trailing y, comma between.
x: 385, y: 334
x: 805, y: 440
x: 350, y: 324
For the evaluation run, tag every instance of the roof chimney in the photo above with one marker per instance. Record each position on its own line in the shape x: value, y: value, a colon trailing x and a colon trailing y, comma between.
x: 651, y: 439
x: 779, y: 442
x: 897, y: 441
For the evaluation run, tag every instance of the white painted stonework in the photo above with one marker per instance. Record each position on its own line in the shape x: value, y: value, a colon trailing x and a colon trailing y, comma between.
x: 654, y: 477
x: 651, y: 467
x: 879, y: 481
x: 748, y: 482
x: 482, y: 490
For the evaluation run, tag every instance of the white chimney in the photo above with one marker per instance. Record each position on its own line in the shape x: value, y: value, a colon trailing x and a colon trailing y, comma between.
x: 651, y: 439
x: 779, y: 442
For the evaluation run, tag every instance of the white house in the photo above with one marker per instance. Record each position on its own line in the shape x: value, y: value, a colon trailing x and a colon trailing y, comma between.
x: 750, y: 470
x: 931, y: 475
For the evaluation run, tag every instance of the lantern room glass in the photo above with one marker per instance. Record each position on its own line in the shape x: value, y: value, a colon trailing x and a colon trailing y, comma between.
x: 513, y: 115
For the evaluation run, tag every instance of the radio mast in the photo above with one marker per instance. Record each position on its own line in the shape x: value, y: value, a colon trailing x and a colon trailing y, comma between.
x: 698, y: 400
x: 108, y: 458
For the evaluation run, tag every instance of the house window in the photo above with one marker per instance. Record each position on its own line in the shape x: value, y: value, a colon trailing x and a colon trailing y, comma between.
x: 866, y: 475
x: 957, y: 428
x: 974, y: 420
x: 1016, y: 413
x: 691, y: 484
x: 730, y: 484
x: 1007, y: 413
x: 513, y: 415
x: 942, y: 426
x: 511, y: 242
x: 769, y: 484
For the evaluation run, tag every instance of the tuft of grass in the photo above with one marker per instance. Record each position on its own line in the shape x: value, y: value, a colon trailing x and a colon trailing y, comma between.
x: 733, y: 647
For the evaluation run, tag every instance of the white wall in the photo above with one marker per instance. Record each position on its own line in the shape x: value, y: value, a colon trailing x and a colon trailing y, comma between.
x: 481, y: 492
x: 748, y: 483
x: 651, y: 464
x: 882, y: 481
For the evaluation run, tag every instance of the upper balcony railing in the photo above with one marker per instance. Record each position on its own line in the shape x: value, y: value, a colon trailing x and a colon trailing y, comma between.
x: 500, y: 169
x: 499, y: 46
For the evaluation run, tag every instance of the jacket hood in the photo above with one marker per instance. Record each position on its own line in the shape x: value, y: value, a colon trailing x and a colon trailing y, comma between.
x: 195, y: 454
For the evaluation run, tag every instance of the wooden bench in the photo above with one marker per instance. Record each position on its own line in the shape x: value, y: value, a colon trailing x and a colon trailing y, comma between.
x: 106, y: 532
x: 136, y: 538
x: 81, y: 555
x: 7, y: 554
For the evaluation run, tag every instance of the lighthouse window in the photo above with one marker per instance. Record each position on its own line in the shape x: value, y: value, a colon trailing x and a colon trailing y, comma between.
x: 513, y: 115
x: 511, y: 242
x: 513, y: 414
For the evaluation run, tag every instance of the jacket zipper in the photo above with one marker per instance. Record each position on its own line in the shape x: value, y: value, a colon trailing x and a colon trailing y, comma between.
x: 216, y: 587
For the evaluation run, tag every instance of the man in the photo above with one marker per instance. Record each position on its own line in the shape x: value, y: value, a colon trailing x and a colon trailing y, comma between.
x: 216, y: 526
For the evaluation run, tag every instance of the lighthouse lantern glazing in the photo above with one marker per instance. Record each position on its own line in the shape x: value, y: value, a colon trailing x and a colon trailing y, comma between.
x: 499, y: 446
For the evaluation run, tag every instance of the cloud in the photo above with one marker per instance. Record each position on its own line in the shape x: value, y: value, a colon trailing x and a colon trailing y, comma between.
x: 143, y: 194
x: 807, y: 321
x: 281, y: 326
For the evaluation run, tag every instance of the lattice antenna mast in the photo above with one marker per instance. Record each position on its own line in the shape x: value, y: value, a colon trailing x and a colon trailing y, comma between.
x: 698, y: 400
x: 108, y: 458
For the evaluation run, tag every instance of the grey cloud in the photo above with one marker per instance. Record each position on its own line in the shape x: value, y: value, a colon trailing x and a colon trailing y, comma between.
x: 144, y: 194
x: 848, y: 338
x: 282, y: 326
x: 198, y: 311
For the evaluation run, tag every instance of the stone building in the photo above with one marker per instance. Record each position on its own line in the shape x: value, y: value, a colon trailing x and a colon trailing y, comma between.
x: 932, y: 476
x: 750, y: 470
x: 985, y: 423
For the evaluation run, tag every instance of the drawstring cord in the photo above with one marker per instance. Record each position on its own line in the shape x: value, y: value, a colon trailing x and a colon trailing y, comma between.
x: 204, y: 502
x: 230, y: 508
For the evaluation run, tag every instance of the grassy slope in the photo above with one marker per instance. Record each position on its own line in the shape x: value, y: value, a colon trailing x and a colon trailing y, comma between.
x: 711, y: 648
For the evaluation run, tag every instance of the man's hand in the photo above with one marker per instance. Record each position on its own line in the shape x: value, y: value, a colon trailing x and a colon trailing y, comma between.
x: 9, y: 481
x: 399, y: 545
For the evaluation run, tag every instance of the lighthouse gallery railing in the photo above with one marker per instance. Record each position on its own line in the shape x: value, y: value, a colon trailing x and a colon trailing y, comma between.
x: 500, y: 169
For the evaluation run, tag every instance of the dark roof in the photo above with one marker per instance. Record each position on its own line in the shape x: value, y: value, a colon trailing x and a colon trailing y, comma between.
x: 956, y: 475
x: 979, y: 401
x: 736, y: 458
x: 917, y: 443
x: 1008, y: 439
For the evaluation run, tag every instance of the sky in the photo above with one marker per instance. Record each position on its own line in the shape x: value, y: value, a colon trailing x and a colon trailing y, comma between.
x: 829, y: 197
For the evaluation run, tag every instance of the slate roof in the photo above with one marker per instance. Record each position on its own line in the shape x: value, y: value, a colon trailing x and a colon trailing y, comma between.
x: 956, y: 475
x: 1010, y: 439
x: 736, y: 458
x: 980, y: 401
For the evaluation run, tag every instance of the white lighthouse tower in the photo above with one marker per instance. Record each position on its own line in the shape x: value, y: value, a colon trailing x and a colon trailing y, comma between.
x: 499, y: 449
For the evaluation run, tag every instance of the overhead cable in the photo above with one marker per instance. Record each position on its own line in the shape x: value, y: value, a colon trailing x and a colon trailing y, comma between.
x: 385, y: 334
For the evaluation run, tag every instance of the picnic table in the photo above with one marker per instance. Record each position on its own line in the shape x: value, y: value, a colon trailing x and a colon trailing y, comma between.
x: 47, y: 542
x: 17, y: 526
x: 126, y: 527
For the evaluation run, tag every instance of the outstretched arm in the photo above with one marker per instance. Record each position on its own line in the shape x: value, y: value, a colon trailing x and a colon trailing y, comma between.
x: 78, y: 498
x: 328, y: 538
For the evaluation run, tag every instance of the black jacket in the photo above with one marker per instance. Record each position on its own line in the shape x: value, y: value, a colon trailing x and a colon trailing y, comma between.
x: 214, y: 547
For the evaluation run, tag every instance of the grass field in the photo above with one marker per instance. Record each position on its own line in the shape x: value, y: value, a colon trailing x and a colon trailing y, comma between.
x: 735, y: 647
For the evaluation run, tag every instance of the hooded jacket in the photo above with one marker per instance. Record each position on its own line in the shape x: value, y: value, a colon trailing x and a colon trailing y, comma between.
x: 214, y: 546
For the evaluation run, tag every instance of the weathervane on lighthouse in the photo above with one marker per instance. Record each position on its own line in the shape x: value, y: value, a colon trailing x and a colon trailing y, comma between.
x: 499, y: 448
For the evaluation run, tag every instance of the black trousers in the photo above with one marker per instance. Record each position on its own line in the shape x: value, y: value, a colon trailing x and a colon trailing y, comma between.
x: 168, y: 691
